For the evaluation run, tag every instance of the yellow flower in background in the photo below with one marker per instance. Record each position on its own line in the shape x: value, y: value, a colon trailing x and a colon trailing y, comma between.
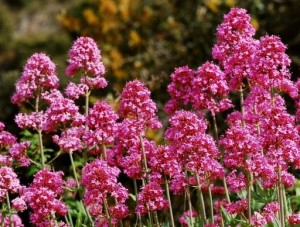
x: 90, y: 17
x: 108, y: 8
x: 255, y: 23
x: 213, y: 5
x: 230, y: 3
x: 134, y: 38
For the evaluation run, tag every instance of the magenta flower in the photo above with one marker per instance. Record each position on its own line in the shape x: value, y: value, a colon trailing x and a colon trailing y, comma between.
x: 50, y: 180
x: 151, y: 199
x: 38, y: 76
x: 183, y: 220
x: 74, y: 91
x: 16, y: 220
x: 235, y: 182
x: 9, y: 182
x: 41, y: 197
x: 6, y: 138
x: 70, y: 140
x: 258, y: 220
x: 100, y: 183
x: 270, y: 66
x: 235, y: 46
x: 294, y: 219
x: 101, y: 125
x: 180, y: 88
x: 34, y: 120
x: 237, y: 207
x: 209, y: 89
x: 62, y: 113
x: 85, y: 55
x: 18, y: 152
x: 270, y: 210
x: 19, y: 204
x: 136, y: 104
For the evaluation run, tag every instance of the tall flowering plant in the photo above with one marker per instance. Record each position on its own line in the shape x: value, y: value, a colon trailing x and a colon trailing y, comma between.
x: 237, y: 172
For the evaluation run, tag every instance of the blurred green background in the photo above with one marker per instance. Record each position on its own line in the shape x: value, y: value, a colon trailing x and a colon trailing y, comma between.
x: 143, y: 39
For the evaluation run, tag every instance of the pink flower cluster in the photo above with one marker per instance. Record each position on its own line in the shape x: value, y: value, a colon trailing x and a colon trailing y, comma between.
x: 151, y: 199
x: 100, y: 182
x: 41, y: 196
x: 85, y: 55
x: 206, y: 88
x: 38, y: 76
x: 102, y: 126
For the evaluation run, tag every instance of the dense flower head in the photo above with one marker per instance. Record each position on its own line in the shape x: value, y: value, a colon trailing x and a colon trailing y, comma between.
x: 74, y: 91
x: 101, y: 123
x: 50, y: 180
x: 270, y: 210
x: 270, y: 66
x: 33, y: 120
x: 6, y: 160
x: 43, y: 204
x: 9, y: 181
x: 19, y: 204
x: 6, y: 138
x: 239, y: 143
x: 85, y: 55
x: 70, y: 140
x: 137, y: 104
x: 186, y: 135
x: 236, y: 25
x: 62, y: 113
x: 180, y: 88
x: 237, y: 206
x: 258, y: 220
x: 236, y: 182
x: 15, y: 219
x: 132, y: 159
x: 185, y: 127
x: 235, y: 46
x: 38, y: 76
x: 164, y: 161
x: 208, y: 89
x: 184, y: 219
x: 41, y: 197
x: 151, y: 199
x: 128, y: 132
x: 18, y: 152
x: 100, y: 181
x: 294, y: 219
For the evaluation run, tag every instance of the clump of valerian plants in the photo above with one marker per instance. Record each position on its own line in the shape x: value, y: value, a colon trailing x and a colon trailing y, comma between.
x: 240, y: 171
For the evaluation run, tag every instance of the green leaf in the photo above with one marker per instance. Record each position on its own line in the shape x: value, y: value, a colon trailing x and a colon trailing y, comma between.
x: 133, y: 197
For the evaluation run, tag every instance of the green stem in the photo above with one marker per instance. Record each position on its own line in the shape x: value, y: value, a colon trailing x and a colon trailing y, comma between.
x: 9, y: 210
x: 201, y: 200
x: 74, y: 170
x: 249, y: 197
x: 215, y: 126
x: 191, y: 220
x: 169, y: 200
x: 211, y: 204
x: 2, y: 216
x: 86, y: 112
x: 280, y: 199
x: 78, y: 187
x: 104, y: 151
x: 242, y: 105
x: 41, y: 149
x: 107, y: 213
x: 144, y: 158
x: 137, y: 201
x: 156, y: 219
